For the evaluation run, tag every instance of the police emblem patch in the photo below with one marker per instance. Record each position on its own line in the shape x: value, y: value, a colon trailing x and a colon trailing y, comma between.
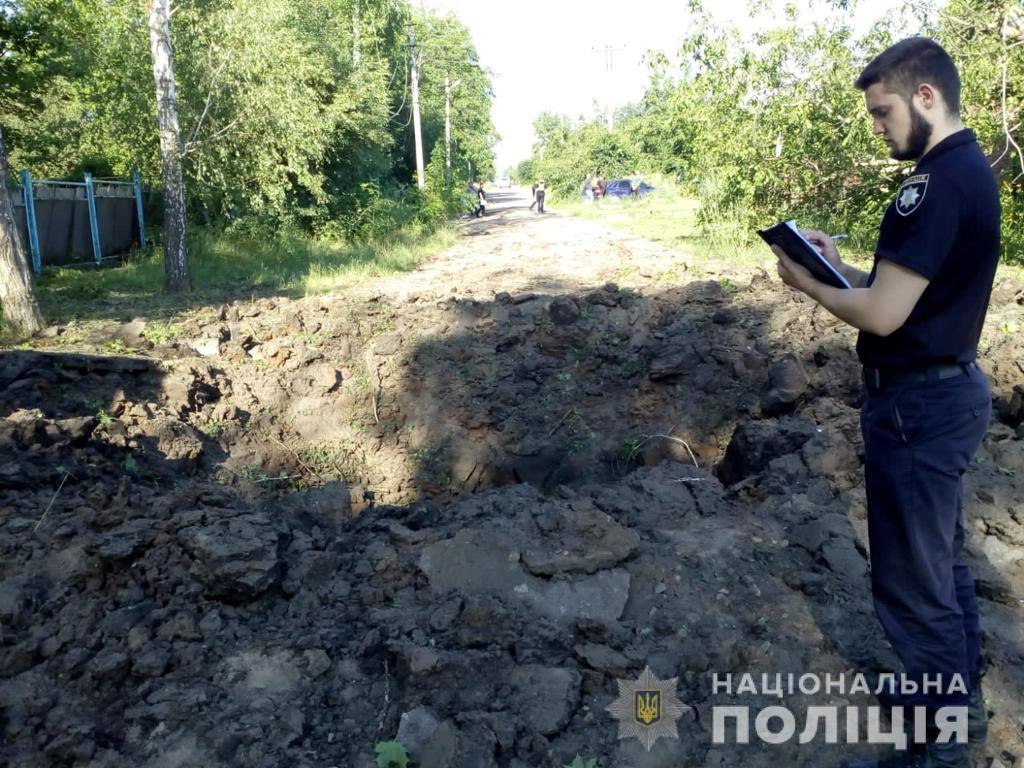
x: 911, y: 194
x: 647, y: 708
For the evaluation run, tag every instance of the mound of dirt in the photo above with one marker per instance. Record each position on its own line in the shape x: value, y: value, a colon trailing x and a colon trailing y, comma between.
x: 291, y: 529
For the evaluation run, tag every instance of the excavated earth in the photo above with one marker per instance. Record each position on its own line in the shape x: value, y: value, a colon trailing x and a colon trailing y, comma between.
x: 454, y: 508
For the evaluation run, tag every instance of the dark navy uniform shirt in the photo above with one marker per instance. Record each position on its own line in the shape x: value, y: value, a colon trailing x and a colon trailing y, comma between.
x: 944, y: 225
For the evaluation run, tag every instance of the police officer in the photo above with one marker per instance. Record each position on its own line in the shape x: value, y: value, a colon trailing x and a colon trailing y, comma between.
x: 926, y: 408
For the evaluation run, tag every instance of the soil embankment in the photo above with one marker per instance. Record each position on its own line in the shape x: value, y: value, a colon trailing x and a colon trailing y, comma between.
x: 457, y: 506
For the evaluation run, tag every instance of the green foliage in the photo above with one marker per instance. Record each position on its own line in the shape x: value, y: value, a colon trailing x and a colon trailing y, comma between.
x: 391, y: 754
x: 161, y: 333
x: 567, y: 151
x: 768, y: 125
x: 293, y: 114
x: 581, y: 762
x: 234, y: 263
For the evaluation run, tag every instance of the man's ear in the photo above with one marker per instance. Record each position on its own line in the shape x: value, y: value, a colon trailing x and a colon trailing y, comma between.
x: 928, y: 96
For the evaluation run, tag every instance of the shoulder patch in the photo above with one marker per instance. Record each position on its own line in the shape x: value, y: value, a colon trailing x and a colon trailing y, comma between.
x: 911, y: 194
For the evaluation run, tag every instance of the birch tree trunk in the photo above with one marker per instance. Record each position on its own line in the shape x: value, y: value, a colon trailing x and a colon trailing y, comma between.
x: 177, y: 276
x: 17, y: 294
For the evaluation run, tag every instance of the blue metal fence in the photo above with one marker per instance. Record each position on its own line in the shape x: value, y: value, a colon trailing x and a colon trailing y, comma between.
x: 112, y: 218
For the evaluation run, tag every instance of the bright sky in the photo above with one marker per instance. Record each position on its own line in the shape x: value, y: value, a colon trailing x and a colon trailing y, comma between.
x: 549, y: 55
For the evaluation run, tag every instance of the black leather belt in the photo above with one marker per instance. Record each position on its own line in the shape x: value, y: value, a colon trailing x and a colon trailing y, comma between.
x: 879, y: 378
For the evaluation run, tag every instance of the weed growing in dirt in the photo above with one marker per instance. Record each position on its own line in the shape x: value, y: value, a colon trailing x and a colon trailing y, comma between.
x: 332, y: 461
x: 391, y: 754
x: 257, y: 475
x: 161, y: 333
x: 432, y: 460
x: 1009, y: 327
x: 116, y: 347
x: 634, y: 365
x: 104, y: 419
x: 581, y: 762
x: 212, y: 428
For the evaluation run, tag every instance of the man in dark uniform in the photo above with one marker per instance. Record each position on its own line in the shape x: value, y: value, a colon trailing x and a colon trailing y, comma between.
x: 920, y: 312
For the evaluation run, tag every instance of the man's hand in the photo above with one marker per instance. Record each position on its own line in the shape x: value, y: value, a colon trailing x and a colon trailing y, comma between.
x: 826, y: 246
x: 794, y: 275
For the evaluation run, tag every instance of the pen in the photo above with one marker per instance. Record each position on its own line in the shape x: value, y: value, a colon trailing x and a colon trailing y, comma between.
x: 839, y: 238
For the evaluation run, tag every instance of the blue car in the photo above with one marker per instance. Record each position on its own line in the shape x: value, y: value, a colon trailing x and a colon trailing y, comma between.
x: 620, y: 188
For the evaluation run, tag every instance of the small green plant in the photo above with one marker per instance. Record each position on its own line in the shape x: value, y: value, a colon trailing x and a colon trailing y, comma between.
x: 434, y: 463
x: 634, y: 365
x: 630, y: 448
x: 104, y: 418
x: 581, y: 762
x: 116, y: 347
x: 564, y: 384
x: 391, y: 754
x: 581, y: 436
x: 161, y: 333
x: 212, y: 428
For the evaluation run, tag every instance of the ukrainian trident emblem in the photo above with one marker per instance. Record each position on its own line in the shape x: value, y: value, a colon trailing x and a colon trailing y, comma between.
x: 647, y: 708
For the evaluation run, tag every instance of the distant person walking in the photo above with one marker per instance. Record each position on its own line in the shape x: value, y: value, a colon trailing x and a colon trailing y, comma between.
x: 600, y: 187
x: 481, y: 200
x: 634, y: 184
x: 533, y: 195
x: 539, y: 195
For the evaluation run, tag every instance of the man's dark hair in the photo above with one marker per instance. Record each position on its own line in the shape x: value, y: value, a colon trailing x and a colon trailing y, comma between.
x: 904, y: 66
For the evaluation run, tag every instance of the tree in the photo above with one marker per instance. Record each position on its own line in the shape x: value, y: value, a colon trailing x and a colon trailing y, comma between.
x: 177, y: 276
x: 291, y: 114
x: 17, y: 294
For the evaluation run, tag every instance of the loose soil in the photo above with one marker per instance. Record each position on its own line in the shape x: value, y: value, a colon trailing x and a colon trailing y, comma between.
x: 455, y: 507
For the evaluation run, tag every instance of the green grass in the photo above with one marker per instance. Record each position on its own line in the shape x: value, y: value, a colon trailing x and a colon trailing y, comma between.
x: 227, y: 266
x: 669, y: 216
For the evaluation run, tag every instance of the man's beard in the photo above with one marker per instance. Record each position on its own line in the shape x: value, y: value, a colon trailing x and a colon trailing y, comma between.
x: 917, y: 141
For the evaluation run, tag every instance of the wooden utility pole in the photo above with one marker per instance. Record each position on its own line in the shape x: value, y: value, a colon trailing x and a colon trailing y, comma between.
x: 17, y: 294
x: 414, y: 67
x: 177, y: 276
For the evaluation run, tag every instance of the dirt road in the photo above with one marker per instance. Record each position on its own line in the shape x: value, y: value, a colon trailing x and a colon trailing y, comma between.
x: 456, y: 507
x: 516, y: 250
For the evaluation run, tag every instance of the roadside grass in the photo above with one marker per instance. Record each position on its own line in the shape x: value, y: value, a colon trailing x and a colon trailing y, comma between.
x: 227, y: 266
x: 669, y: 216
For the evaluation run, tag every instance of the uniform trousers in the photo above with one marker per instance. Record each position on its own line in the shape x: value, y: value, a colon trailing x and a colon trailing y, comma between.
x: 918, y: 440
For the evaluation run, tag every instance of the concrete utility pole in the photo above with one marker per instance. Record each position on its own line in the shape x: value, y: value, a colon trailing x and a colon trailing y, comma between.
x: 448, y: 87
x: 608, y: 51
x: 414, y: 67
